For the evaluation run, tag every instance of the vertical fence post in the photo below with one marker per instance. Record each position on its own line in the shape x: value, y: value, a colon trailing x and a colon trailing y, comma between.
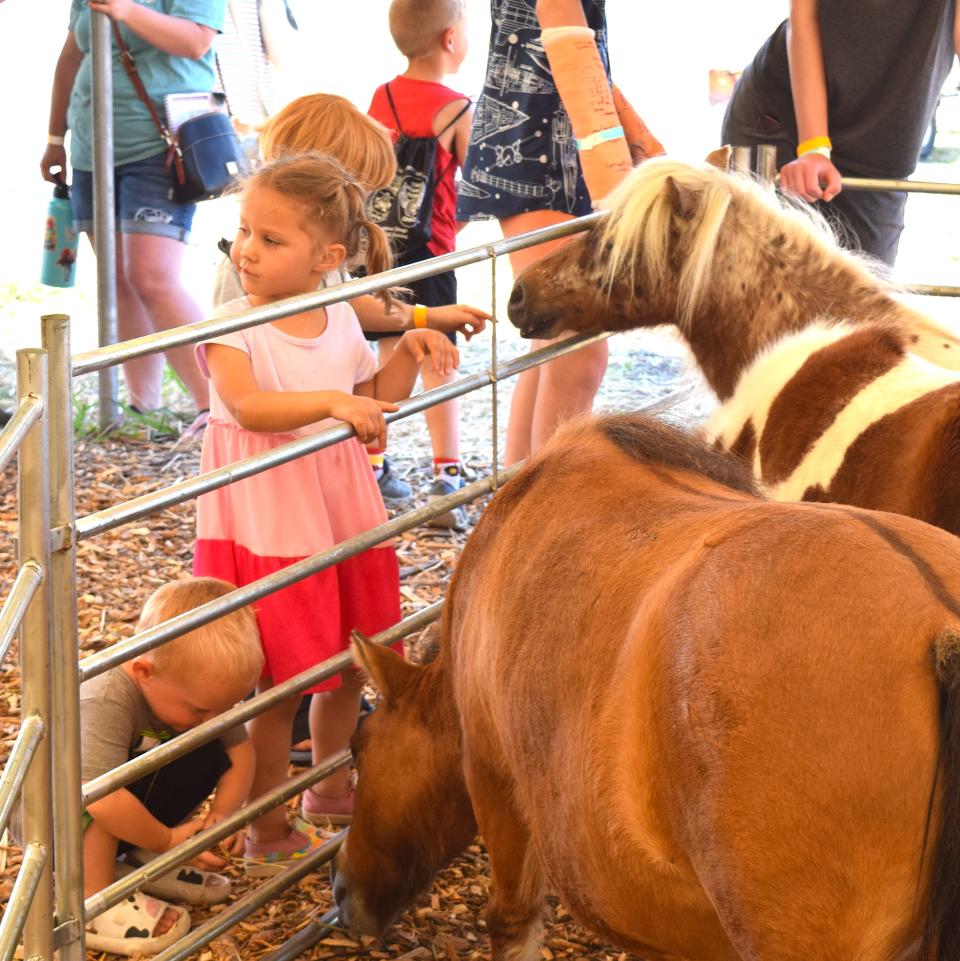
x: 767, y: 163
x: 104, y: 219
x: 494, y: 426
x: 33, y: 497
x: 65, y: 680
x: 741, y: 160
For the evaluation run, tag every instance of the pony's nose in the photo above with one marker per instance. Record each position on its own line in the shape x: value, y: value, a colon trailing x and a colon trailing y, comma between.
x: 516, y: 304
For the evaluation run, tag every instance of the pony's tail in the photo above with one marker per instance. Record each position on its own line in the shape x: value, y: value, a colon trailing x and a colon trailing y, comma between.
x: 941, y: 934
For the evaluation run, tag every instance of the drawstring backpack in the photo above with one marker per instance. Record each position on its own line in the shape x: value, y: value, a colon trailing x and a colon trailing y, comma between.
x: 404, y: 207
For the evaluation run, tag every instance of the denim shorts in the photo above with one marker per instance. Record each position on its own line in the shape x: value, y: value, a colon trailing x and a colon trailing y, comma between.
x: 143, y: 200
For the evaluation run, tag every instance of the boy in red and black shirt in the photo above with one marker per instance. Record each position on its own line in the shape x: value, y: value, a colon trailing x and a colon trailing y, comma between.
x: 432, y: 35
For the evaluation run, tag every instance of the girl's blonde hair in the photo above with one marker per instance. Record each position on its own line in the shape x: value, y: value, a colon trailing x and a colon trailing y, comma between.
x: 332, y: 125
x: 227, y: 648
x: 416, y: 25
x: 331, y: 197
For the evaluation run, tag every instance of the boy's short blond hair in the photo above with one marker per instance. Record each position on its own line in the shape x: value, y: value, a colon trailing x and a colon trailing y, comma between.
x: 329, y: 124
x: 416, y: 25
x: 228, y: 648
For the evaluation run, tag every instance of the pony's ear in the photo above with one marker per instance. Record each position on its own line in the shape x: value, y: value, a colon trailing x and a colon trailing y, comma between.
x: 720, y: 158
x: 388, y: 670
x: 683, y: 201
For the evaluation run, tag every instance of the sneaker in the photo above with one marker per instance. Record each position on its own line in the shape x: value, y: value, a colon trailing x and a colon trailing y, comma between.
x: 392, y: 488
x: 448, y: 481
x: 267, y: 858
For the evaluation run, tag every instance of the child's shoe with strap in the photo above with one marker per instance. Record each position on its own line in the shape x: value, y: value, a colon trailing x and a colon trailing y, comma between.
x: 263, y: 859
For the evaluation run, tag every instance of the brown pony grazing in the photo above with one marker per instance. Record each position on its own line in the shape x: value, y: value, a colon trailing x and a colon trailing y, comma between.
x: 833, y: 390
x: 717, y: 727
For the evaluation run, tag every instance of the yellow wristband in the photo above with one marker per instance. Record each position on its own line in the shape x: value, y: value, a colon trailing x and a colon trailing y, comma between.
x: 419, y: 316
x: 55, y: 140
x: 821, y: 145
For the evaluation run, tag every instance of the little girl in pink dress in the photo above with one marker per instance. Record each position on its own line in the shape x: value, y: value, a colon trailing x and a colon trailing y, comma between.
x: 300, y: 218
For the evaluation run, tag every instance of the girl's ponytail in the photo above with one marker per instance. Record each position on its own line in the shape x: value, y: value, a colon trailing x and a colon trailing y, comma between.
x: 378, y: 255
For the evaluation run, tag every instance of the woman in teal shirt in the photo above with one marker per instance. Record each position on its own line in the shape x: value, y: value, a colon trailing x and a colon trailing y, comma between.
x: 171, y: 42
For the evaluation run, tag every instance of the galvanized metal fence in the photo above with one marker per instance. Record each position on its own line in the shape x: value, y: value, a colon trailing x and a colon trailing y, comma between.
x: 41, y: 605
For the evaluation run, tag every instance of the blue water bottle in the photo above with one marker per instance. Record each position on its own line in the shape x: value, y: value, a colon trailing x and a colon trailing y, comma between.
x: 60, y: 241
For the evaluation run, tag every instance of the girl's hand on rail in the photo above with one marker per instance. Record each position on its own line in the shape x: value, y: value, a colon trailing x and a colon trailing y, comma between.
x: 421, y: 343
x: 463, y: 318
x: 364, y: 414
x: 812, y: 177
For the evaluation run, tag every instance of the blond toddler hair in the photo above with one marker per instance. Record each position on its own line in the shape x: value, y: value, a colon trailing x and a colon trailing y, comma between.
x: 332, y: 125
x: 416, y: 25
x: 228, y: 648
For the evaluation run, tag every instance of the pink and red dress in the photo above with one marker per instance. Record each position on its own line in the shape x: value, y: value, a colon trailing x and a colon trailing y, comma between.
x: 264, y: 523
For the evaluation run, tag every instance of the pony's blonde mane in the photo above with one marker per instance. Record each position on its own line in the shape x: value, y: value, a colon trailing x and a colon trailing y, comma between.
x: 637, y: 232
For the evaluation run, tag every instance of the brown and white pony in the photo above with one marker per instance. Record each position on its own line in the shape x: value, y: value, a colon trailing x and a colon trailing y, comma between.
x: 718, y: 727
x: 833, y: 389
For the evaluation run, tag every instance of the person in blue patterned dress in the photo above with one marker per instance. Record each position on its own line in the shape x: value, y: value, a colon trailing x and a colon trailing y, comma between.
x: 522, y: 169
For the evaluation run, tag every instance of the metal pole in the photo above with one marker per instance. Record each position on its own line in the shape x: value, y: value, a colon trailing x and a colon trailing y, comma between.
x: 26, y: 887
x: 741, y: 160
x: 398, y: 277
x: 117, y: 891
x: 33, y: 497
x: 205, y: 613
x: 206, y: 932
x: 139, y: 507
x: 24, y: 417
x: 305, y: 938
x: 933, y: 290
x: 104, y: 220
x: 18, y: 763
x: 186, y: 742
x: 907, y: 186
x: 767, y: 163
x: 494, y: 379
x: 65, y: 680
x: 25, y: 585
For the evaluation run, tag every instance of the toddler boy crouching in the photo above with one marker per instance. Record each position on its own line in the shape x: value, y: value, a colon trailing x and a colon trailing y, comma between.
x: 132, y: 708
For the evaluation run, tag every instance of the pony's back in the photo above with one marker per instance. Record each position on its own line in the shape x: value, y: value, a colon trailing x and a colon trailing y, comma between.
x: 726, y: 701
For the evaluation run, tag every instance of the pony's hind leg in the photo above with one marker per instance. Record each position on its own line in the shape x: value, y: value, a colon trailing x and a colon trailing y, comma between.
x: 515, y: 908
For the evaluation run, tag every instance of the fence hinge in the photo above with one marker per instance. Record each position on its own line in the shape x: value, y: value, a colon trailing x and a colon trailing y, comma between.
x: 66, y: 933
x: 61, y: 538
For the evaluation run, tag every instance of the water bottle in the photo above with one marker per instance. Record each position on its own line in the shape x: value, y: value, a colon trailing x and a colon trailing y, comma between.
x: 60, y: 241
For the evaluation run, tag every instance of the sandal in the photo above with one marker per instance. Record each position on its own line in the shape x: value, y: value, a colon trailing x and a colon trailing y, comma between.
x: 267, y: 858
x: 127, y: 928
x: 183, y: 883
x: 319, y: 809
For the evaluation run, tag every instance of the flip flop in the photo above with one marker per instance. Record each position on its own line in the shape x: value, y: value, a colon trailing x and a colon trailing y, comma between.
x: 183, y: 883
x: 127, y: 928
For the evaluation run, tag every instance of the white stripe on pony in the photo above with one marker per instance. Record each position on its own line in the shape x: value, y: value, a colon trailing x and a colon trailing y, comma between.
x: 765, y: 379
x: 762, y: 381
x: 911, y: 379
